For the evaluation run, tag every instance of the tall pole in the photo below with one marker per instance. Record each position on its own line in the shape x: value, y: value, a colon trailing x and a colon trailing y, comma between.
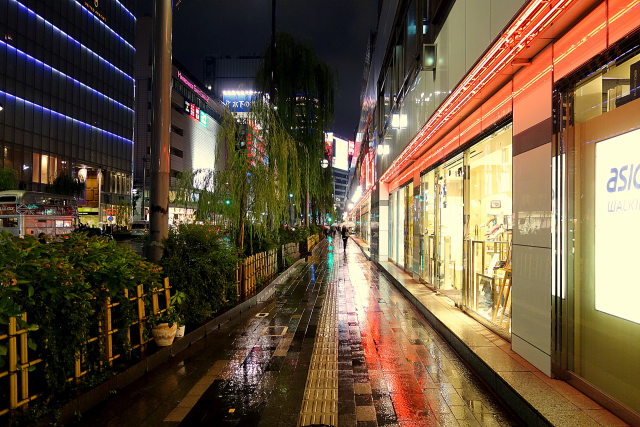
x: 307, y: 211
x: 160, y: 128
x: 273, y: 52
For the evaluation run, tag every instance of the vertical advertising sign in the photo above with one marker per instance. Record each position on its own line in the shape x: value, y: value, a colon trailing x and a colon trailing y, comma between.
x: 617, y: 226
x: 341, y: 153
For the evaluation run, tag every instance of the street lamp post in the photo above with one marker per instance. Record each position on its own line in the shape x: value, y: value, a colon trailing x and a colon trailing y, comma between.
x: 161, y: 128
x: 144, y: 187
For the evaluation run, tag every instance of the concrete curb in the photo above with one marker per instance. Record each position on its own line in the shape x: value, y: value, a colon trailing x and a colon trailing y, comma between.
x: 516, y: 402
x: 97, y: 395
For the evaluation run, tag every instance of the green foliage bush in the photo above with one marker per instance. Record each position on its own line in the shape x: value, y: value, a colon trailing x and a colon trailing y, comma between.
x: 66, y: 185
x: 8, y: 179
x: 63, y: 287
x: 293, y: 235
x: 201, y: 262
x: 259, y: 239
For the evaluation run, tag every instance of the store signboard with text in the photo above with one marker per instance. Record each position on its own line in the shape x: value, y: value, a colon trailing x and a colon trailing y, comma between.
x: 617, y: 226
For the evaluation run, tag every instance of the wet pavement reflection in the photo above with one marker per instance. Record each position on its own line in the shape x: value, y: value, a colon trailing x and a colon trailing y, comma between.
x: 392, y: 368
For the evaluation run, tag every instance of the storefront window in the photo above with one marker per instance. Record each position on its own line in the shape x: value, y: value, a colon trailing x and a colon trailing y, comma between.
x: 408, y: 226
x: 450, y: 217
x: 397, y: 236
x: 489, y: 240
x: 428, y: 228
x: 603, y: 154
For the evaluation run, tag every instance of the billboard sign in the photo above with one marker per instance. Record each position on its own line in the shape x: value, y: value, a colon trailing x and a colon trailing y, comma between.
x: 340, y: 153
x: 617, y: 214
x: 239, y: 101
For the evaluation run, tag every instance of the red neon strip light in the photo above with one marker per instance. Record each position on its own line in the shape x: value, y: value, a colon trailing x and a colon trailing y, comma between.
x: 533, y: 20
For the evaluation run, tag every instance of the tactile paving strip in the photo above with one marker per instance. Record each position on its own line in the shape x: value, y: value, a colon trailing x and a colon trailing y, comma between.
x: 320, y: 403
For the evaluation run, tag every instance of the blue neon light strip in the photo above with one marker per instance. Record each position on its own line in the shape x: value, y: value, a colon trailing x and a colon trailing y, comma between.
x: 42, y: 64
x: 76, y: 121
x: 101, y: 59
x: 126, y: 10
x: 98, y: 20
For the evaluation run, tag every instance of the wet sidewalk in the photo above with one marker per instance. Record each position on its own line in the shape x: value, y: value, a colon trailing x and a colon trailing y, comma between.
x: 337, y: 345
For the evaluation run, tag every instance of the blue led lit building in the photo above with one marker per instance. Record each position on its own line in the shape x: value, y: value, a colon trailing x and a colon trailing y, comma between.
x: 67, y: 96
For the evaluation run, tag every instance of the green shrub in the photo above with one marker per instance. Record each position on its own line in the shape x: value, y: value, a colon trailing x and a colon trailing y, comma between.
x: 315, y: 229
x: 258, y: 239
x: 201, y: 263
x: 63, y: 286
x: 293, y: 235
x: 8, y: 179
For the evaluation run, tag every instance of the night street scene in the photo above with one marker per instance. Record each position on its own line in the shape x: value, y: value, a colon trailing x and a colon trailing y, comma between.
x: 290, y: 213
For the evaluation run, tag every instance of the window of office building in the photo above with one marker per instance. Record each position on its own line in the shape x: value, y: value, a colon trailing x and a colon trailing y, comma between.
x: 599, y: 154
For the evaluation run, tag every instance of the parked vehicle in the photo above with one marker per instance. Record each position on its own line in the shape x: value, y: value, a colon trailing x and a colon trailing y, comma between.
x: 140, y: 228
x: 32, y: 213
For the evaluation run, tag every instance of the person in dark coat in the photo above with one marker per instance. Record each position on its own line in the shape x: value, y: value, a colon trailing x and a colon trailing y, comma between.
x: 345, y: 237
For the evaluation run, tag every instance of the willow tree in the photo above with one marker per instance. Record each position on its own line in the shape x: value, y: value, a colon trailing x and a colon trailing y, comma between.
x: 302, y: 89
x: 260, y: 171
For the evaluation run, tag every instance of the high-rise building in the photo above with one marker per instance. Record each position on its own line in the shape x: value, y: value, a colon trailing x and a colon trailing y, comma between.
x: 231, y: 73
x: 196, y: 117
x: 67, y: 96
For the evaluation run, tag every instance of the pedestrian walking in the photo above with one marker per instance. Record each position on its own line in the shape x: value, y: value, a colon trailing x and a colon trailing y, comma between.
x: 345, y: 237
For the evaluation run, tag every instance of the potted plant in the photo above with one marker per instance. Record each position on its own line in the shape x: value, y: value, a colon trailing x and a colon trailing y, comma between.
x: 177, y: 303
x: 164, y: 326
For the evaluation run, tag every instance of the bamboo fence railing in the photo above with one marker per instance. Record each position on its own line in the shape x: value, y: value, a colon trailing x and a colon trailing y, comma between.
x: 17, y: 370
x: 252, y: 272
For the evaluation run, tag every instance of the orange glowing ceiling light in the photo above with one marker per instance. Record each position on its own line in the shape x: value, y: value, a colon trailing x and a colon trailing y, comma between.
x: 536, y: 17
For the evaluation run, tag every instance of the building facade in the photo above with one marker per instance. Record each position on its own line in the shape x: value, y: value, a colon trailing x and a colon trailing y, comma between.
x: 196, y: 117
x: 231, y: 73
x: 67, y: 97
x: 503, y: 141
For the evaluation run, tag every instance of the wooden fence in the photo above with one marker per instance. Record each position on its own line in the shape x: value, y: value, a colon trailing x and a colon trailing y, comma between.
x: 252, y: 272
x: 312, y: 241
x: 18, y: 374
x: 257, y: 270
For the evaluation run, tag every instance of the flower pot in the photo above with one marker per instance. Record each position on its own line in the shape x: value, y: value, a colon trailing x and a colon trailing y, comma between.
x: 163, y: 334
x: 180, y: 331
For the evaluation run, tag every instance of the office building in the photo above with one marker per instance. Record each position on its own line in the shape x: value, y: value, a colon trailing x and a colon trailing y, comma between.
x: 504, y: 137
x: 196, y: 117
x: 67, y: 97
x: 231, y: 73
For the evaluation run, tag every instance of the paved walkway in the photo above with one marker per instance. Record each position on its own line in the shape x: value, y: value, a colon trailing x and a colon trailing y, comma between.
x: 338, y: 345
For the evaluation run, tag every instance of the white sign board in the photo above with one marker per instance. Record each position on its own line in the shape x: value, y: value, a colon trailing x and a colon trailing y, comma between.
x: 341, y: 154
x: 617, y: 226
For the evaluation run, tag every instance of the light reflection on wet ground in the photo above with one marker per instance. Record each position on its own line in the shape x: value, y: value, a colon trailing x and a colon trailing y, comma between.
x: 399, y: 364
x: 393, y: 369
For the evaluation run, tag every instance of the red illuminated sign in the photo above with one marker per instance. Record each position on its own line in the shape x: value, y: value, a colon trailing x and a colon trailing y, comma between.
x: 193, y: 87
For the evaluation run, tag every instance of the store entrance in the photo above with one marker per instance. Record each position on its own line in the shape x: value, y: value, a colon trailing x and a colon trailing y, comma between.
x: 450, y: 231
x: 428, y: 257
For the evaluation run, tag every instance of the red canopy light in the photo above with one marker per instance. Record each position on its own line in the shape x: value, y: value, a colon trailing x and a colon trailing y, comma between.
x: 536, y: 17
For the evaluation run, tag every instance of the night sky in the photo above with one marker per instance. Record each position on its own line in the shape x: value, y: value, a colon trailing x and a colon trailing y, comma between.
x: 337, y: 29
